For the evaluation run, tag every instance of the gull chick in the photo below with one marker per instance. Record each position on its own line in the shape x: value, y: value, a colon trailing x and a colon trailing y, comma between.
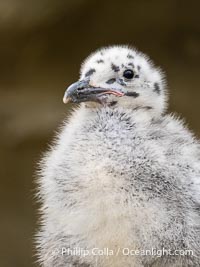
x: 120, y: 186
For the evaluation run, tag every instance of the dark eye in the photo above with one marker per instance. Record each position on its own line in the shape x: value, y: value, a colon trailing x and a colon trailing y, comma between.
x: 128, y: 74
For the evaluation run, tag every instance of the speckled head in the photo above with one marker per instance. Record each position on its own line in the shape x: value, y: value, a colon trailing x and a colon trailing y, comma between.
x: 119, y: 76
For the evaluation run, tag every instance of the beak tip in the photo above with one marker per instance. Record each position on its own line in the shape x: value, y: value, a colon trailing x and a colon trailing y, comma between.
x: 66, y: 100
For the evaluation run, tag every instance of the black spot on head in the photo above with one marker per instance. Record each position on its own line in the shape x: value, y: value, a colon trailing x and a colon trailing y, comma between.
x: 115, y: 67
x: 121, y: 81
x: 130, y: 56
x: 111, y: 81
x: 131, y: 64
x: 136, y: 76
x: 100, y: 61
x: 89, y: 72
x: 139, y: 68
x: 157, y: 88
x: 133, y: 94
x: 113, y: 103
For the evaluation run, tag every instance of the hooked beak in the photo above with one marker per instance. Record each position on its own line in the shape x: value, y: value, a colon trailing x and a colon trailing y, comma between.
x: 81, y: 91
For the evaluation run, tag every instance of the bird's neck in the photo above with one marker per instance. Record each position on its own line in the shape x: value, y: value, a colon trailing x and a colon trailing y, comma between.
x: 143, y: 114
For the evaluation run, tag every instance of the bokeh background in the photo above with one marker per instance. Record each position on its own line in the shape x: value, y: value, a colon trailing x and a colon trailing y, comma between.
x: 42, y: 43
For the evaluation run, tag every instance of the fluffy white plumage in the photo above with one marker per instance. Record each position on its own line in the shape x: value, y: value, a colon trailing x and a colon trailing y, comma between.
x: 121, y: 173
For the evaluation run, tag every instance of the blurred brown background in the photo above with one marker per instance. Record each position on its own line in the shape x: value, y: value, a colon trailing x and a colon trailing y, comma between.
x: 42, y: 45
